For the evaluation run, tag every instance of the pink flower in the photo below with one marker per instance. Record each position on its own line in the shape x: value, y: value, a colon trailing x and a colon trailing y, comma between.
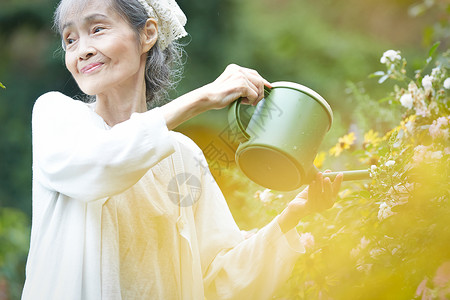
x: 441, y: 283
x: 436, y: 130
x: 307, y: 240
x: 422, y: 111
x: 442, y: 121
x: 419, y: 153
x: 442, y: 277
x: 422, y: 154
x: 423, y: 290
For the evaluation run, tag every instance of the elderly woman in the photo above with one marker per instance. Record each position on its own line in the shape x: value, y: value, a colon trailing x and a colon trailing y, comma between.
x: 104, y: 225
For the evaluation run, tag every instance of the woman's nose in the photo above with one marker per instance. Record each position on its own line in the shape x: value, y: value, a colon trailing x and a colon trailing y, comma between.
x: 85, y: 49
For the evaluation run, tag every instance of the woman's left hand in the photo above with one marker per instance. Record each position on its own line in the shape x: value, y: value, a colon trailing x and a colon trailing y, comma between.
x: 235, y: 82
x: 318, y: 196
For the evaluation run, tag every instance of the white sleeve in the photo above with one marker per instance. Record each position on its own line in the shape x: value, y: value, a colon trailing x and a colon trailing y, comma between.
x: 74, y: 156
x: 234, y: 267
x: 256, y: 267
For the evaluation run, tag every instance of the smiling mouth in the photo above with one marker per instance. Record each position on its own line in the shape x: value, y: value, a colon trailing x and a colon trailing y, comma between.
x: 91, y: 68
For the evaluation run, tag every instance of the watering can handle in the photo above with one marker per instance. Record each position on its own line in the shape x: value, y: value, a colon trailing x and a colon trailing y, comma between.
x: 235, y: 123
x: 234, y: 119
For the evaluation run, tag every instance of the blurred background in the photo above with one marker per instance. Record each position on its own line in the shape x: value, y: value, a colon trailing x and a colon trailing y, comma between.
x: 328, y: 45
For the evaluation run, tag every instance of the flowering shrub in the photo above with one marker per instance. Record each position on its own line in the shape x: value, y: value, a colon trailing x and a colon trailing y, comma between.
x: 388, y: 238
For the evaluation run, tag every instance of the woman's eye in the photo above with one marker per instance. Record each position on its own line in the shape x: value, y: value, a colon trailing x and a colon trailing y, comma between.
x: 70, y: 41
x: 97, y: 29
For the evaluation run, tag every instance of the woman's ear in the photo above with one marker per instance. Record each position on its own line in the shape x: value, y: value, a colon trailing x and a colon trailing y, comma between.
x: 149, y: 35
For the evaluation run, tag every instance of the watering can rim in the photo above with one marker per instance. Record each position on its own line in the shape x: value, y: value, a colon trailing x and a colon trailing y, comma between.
x: 309, y: 92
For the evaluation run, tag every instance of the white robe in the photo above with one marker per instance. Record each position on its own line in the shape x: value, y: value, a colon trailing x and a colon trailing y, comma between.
x: 81, y: 166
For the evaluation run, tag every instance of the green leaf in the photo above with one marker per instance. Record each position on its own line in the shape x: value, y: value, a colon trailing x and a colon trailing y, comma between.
x: 2, y: 86
x: 385, y: 99
x: 433, y: 49
x: 365, y: 194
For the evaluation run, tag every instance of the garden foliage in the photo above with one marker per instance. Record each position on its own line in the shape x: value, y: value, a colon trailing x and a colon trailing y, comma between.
x: 389, y: 238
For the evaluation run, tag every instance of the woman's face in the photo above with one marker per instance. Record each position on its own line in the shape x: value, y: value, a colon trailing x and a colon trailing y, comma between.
x: 102, y: 50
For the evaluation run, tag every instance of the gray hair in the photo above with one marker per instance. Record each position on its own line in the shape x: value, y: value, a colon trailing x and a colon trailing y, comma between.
x: 163, y: 69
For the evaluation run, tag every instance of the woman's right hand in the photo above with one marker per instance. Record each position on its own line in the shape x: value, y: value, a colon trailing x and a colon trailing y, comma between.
x: 234, y: 83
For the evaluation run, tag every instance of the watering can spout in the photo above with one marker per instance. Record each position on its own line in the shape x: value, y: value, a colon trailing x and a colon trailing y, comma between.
x: 348, y: 175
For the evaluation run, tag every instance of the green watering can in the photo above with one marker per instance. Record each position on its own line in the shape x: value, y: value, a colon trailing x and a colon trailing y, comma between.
x: 278, y: 146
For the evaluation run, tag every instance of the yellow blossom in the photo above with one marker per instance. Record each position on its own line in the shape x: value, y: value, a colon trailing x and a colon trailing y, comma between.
x: 343, y: 143
x: 370, y: 160
x: 371, y: 138
x: 388, y: 134
x: 320, y: 158
x: 404, y: 123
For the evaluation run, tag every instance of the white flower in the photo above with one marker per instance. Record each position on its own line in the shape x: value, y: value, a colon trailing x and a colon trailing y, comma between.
x: 419, y: 153
x: 427, y: 82
x: 422, y: 109
x: 412, y: 88
x: 355, y: 252
x: 395, y: 250
x: 362, y: 245
x: 436, y: 72
x: 400, y: 193
x: 390, y: 56
x: 447, y: 83
x: 399, y: 189
x: 266, y: 196
x: 435, y: 155
x: 390, y: 163
x: 364, y: 242
x: 307, y: 240
x: 407, y: 101
x: 410, y: 126
x: 376, y: 252
x: 436, y: 130
x: 373, y: 169
x: 442, y: 121
x: 364, y: 268
x: 384, y: 211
